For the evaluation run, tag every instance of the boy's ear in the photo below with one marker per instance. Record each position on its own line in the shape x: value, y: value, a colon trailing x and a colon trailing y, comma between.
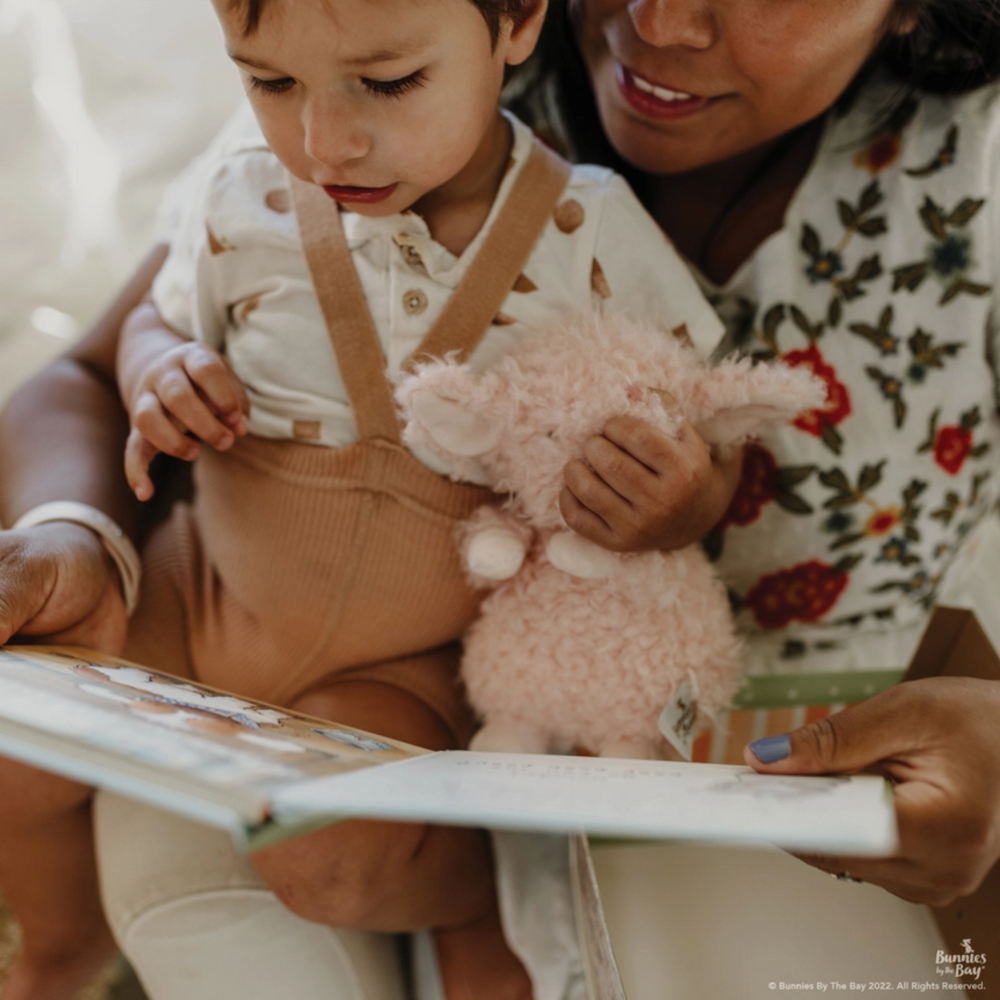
x: 525, y: 30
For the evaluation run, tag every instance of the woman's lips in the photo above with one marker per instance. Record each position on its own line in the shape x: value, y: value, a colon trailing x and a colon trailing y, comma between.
x: 653, y: 101
x: 367, y: 196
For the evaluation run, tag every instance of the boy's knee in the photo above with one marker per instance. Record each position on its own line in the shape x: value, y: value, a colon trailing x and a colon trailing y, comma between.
x: 343, y: 876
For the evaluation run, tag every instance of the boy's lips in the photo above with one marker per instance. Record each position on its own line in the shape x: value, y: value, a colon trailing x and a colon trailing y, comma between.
x: 654, y: 100
x: 368, y: 196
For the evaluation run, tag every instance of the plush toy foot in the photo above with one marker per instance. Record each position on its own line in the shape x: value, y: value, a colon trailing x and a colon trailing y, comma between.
x: 629, y: 750
x: 509, y: 736
x: 495, y: 554
x: 578, y: 557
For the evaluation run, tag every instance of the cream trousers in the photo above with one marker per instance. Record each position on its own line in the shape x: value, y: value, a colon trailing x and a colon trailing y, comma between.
x: 198, y: 922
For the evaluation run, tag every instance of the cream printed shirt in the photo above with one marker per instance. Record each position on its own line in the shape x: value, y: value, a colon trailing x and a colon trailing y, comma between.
x: 237, y: 280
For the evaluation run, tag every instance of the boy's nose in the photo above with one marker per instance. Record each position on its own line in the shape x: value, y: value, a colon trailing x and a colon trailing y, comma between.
x: 334, y: 137
x: 662, y: 23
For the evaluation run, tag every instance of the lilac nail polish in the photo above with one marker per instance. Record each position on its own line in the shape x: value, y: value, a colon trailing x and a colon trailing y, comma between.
x: 771, y: 749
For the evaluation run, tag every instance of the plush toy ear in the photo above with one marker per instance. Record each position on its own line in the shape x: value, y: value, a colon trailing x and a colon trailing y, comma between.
x: 453, y: 425
x: 737, y: 400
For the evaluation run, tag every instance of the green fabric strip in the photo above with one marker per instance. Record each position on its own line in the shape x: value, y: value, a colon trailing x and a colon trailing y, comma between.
x: 789, y: 690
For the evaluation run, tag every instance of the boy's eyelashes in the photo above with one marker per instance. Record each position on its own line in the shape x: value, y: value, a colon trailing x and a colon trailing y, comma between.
x: 395, y: 88
x: 271, y: 86
x: 381, y: 88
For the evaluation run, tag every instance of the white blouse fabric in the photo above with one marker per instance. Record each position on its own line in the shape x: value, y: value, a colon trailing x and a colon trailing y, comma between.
x: 237, y: 280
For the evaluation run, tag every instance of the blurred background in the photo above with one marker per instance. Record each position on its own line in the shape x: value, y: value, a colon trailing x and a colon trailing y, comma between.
x: 104, y: 101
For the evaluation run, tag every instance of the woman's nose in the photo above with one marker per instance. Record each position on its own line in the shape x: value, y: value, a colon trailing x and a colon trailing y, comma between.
x: 662, y: 23
x: 333, y: 136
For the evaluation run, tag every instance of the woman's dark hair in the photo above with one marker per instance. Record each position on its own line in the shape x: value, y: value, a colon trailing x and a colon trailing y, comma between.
x: 954, y: 47
x: 493, y: 11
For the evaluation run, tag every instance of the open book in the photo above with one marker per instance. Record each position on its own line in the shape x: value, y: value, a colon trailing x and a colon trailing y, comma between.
x: 265, y: 773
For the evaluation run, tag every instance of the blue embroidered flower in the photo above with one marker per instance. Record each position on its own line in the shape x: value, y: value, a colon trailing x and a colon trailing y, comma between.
x: 824, y: 266
x: 894, y: 551
x: 951, y: 255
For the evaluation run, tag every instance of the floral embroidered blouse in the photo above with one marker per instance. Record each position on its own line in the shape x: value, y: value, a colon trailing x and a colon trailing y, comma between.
x: 882, y: 281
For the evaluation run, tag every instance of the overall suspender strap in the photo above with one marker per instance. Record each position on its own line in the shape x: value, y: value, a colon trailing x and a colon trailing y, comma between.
x: 489, y: 279
x: 469, y: 311
x: 348, y: 319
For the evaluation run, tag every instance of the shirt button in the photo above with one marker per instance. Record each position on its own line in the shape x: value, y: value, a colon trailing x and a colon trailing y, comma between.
x: 414, y: 302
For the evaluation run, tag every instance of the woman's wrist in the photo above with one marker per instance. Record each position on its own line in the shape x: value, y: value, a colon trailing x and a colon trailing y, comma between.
x: 115, y: 542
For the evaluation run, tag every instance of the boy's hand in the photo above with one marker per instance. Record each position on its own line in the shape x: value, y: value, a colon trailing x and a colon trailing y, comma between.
x: 640, y: 489
x: 189, y: 390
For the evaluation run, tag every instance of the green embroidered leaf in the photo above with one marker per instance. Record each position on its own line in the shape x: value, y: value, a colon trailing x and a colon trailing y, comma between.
x: 836, y: 479
x: 965, y: 210
x: 832, y: 439
x: 885, y: 342
x: 800, y: 319
x: 910, y: 276
x: 870, y: 197
x: 773, y: 318
x: 911, y: 533
x: 955, y: 289
x: 928, y: 443
x: 931, y: 217
x: 980, y: 449
x: 791, y: 502
x: 873, y: 227
x: 792, y: 475
x: 977, y: 483
x: 835, y: 312
x: 913, y: 490
x: 870, y: 477
x: 848, y: 218
x: 944, y: 157
x: 810, y: 241
x: 848, y: 563
x: 971, y: 418
x: 870, y: 268
x: 899, y: 411
x: 846, y: 540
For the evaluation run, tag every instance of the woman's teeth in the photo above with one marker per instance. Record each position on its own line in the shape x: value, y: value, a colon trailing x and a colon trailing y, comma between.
x: 661, y: 92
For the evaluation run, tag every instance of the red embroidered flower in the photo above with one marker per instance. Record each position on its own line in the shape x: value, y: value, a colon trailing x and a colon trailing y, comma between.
x: 755, y: 488
x: 838, y: 402
x: 882, y: 521
x: 804, y: 593
x: 951, y: 448
x: 879, y: 153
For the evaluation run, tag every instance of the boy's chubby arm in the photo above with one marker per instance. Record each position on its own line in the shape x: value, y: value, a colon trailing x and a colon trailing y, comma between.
x: 172, y: 388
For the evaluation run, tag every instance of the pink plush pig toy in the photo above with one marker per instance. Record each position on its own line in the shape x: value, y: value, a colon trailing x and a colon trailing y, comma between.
x: 578, y: 646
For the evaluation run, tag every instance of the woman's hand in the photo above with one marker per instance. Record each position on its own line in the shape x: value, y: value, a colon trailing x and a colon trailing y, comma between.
x: 641, y: 489
x: 58, y: 582
x: 938, y: 740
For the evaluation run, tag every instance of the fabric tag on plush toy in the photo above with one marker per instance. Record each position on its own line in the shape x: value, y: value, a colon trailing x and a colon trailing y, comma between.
x: 678, y: 718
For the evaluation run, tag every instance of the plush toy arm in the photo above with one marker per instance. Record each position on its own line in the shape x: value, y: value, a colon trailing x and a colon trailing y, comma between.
x: 738, y: 399
x: 493, y: 544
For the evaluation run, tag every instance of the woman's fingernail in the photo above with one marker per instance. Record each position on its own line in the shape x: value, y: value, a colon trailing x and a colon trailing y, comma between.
x: 771, y: 749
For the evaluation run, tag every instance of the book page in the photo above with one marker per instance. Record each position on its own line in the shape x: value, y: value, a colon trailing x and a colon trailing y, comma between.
x: 620, y: 798
x: 122, y: 726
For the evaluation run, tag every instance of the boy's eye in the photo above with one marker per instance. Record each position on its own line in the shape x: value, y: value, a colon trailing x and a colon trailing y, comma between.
x: 394, y: 88
x: 271, y: 86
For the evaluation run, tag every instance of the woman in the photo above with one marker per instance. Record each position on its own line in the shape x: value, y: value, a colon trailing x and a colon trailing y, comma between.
x: 830, y: 217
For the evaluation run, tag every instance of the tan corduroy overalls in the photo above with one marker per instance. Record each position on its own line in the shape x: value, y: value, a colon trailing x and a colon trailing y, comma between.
x: 299, y: 565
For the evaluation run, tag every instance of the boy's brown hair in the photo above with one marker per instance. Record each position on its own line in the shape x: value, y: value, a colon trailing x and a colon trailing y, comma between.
x: 493, y: 11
